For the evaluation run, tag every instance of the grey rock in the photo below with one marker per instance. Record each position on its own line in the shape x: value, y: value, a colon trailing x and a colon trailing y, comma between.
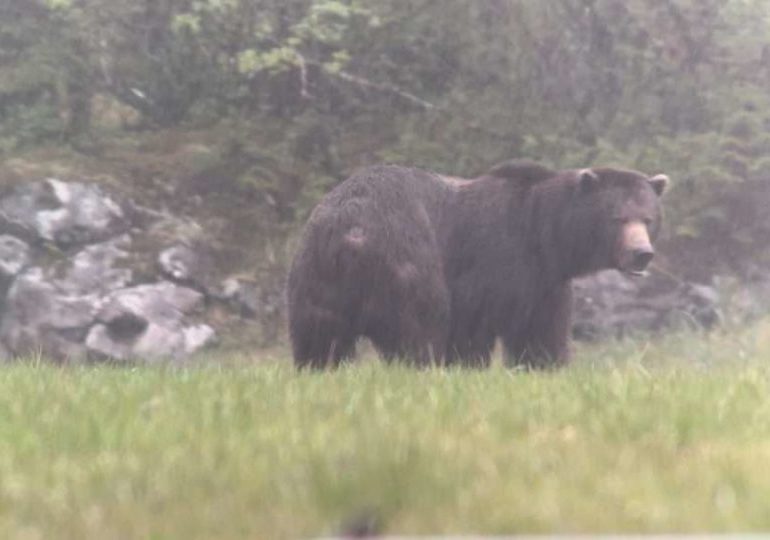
x: 51, y: 310
x: 19, y: 209
x: 14, y: 256
x: 154, y: 342
x: 38, y: 317
x: 95, y: 269
x: 244, y: 295
x: 178, y: 262
x: 84, y: 308
x: 188, y: 264
x: 197, y: 337
x: 164, y: 301
x: 262, y: 301
x: 611, y: 305
x: 82, y: 299
x: 148, y: 321
x: 34, y: 298
x: 64, y: 213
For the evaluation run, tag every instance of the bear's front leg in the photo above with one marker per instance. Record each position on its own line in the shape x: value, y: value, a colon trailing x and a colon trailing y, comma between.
x: 544, y: 343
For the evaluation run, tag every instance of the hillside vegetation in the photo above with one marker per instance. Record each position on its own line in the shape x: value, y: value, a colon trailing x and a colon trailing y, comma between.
x: 260, y: 106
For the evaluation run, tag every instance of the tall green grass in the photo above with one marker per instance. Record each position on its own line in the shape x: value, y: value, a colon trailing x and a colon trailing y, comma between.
x: 666, y: 436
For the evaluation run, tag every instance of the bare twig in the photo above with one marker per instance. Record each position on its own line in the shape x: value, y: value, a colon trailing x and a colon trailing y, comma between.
x: 381, y: 87
x: 303, y: 76
x: 371, y: 85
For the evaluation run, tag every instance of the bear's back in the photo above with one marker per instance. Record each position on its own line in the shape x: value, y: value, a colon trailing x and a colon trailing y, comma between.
x: 523, y: 171
x: 387, y: 183
x: 385, y: 194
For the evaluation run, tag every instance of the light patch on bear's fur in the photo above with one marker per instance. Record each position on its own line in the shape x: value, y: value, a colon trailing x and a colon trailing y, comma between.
x: 355, y: 237
x: 456, y: 181
x: 407, y: 273
x: 588, y: 178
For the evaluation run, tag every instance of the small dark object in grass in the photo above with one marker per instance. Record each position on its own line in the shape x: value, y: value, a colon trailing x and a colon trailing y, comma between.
x: 364, y: 524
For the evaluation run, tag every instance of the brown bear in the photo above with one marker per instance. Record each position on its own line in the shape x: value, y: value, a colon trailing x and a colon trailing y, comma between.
x: 434, y: 269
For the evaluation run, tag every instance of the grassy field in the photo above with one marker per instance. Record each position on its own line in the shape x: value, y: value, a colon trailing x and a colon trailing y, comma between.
x: 673, y: 436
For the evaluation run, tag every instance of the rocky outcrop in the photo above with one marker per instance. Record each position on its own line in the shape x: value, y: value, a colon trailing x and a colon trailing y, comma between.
x: 148, y: 321
x: 14, y: 257
x: 611, y: 305
x: 66, y: 214
x: 78, y: 280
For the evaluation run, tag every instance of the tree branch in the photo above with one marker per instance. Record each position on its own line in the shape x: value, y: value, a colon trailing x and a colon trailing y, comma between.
x: 364, y: 83
x: 303, y: 76
x: 380, y: 87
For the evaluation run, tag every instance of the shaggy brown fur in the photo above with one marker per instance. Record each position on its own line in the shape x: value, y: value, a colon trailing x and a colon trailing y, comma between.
x: 435, y: 269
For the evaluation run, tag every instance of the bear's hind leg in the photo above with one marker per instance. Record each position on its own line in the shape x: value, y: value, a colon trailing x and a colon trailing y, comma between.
x: 415, y: 328
x: 321, y: 341
x: 324, y: 352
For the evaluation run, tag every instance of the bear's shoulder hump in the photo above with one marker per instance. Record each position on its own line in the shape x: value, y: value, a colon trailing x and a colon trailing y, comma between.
x: 522, y: 170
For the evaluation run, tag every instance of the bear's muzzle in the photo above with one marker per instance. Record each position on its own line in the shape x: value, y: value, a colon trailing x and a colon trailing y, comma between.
x: 636, y: 251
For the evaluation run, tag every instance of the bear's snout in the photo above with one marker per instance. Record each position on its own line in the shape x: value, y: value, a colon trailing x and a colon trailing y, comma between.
x: 641, y: 258
x: 636, y: 251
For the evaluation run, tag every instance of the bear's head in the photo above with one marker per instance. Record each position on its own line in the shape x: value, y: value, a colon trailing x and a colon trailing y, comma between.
x: 619, y: 217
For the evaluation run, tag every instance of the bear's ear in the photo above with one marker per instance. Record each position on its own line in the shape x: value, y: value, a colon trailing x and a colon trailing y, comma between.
x: 588, y: 179
x: 659, y: 183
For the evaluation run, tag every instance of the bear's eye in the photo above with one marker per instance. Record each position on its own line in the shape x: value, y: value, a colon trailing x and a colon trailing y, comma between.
x: 619, y: 220
x: 647, y: 221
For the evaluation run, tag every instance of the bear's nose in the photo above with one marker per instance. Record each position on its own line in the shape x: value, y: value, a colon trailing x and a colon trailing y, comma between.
x: 642, y: 257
